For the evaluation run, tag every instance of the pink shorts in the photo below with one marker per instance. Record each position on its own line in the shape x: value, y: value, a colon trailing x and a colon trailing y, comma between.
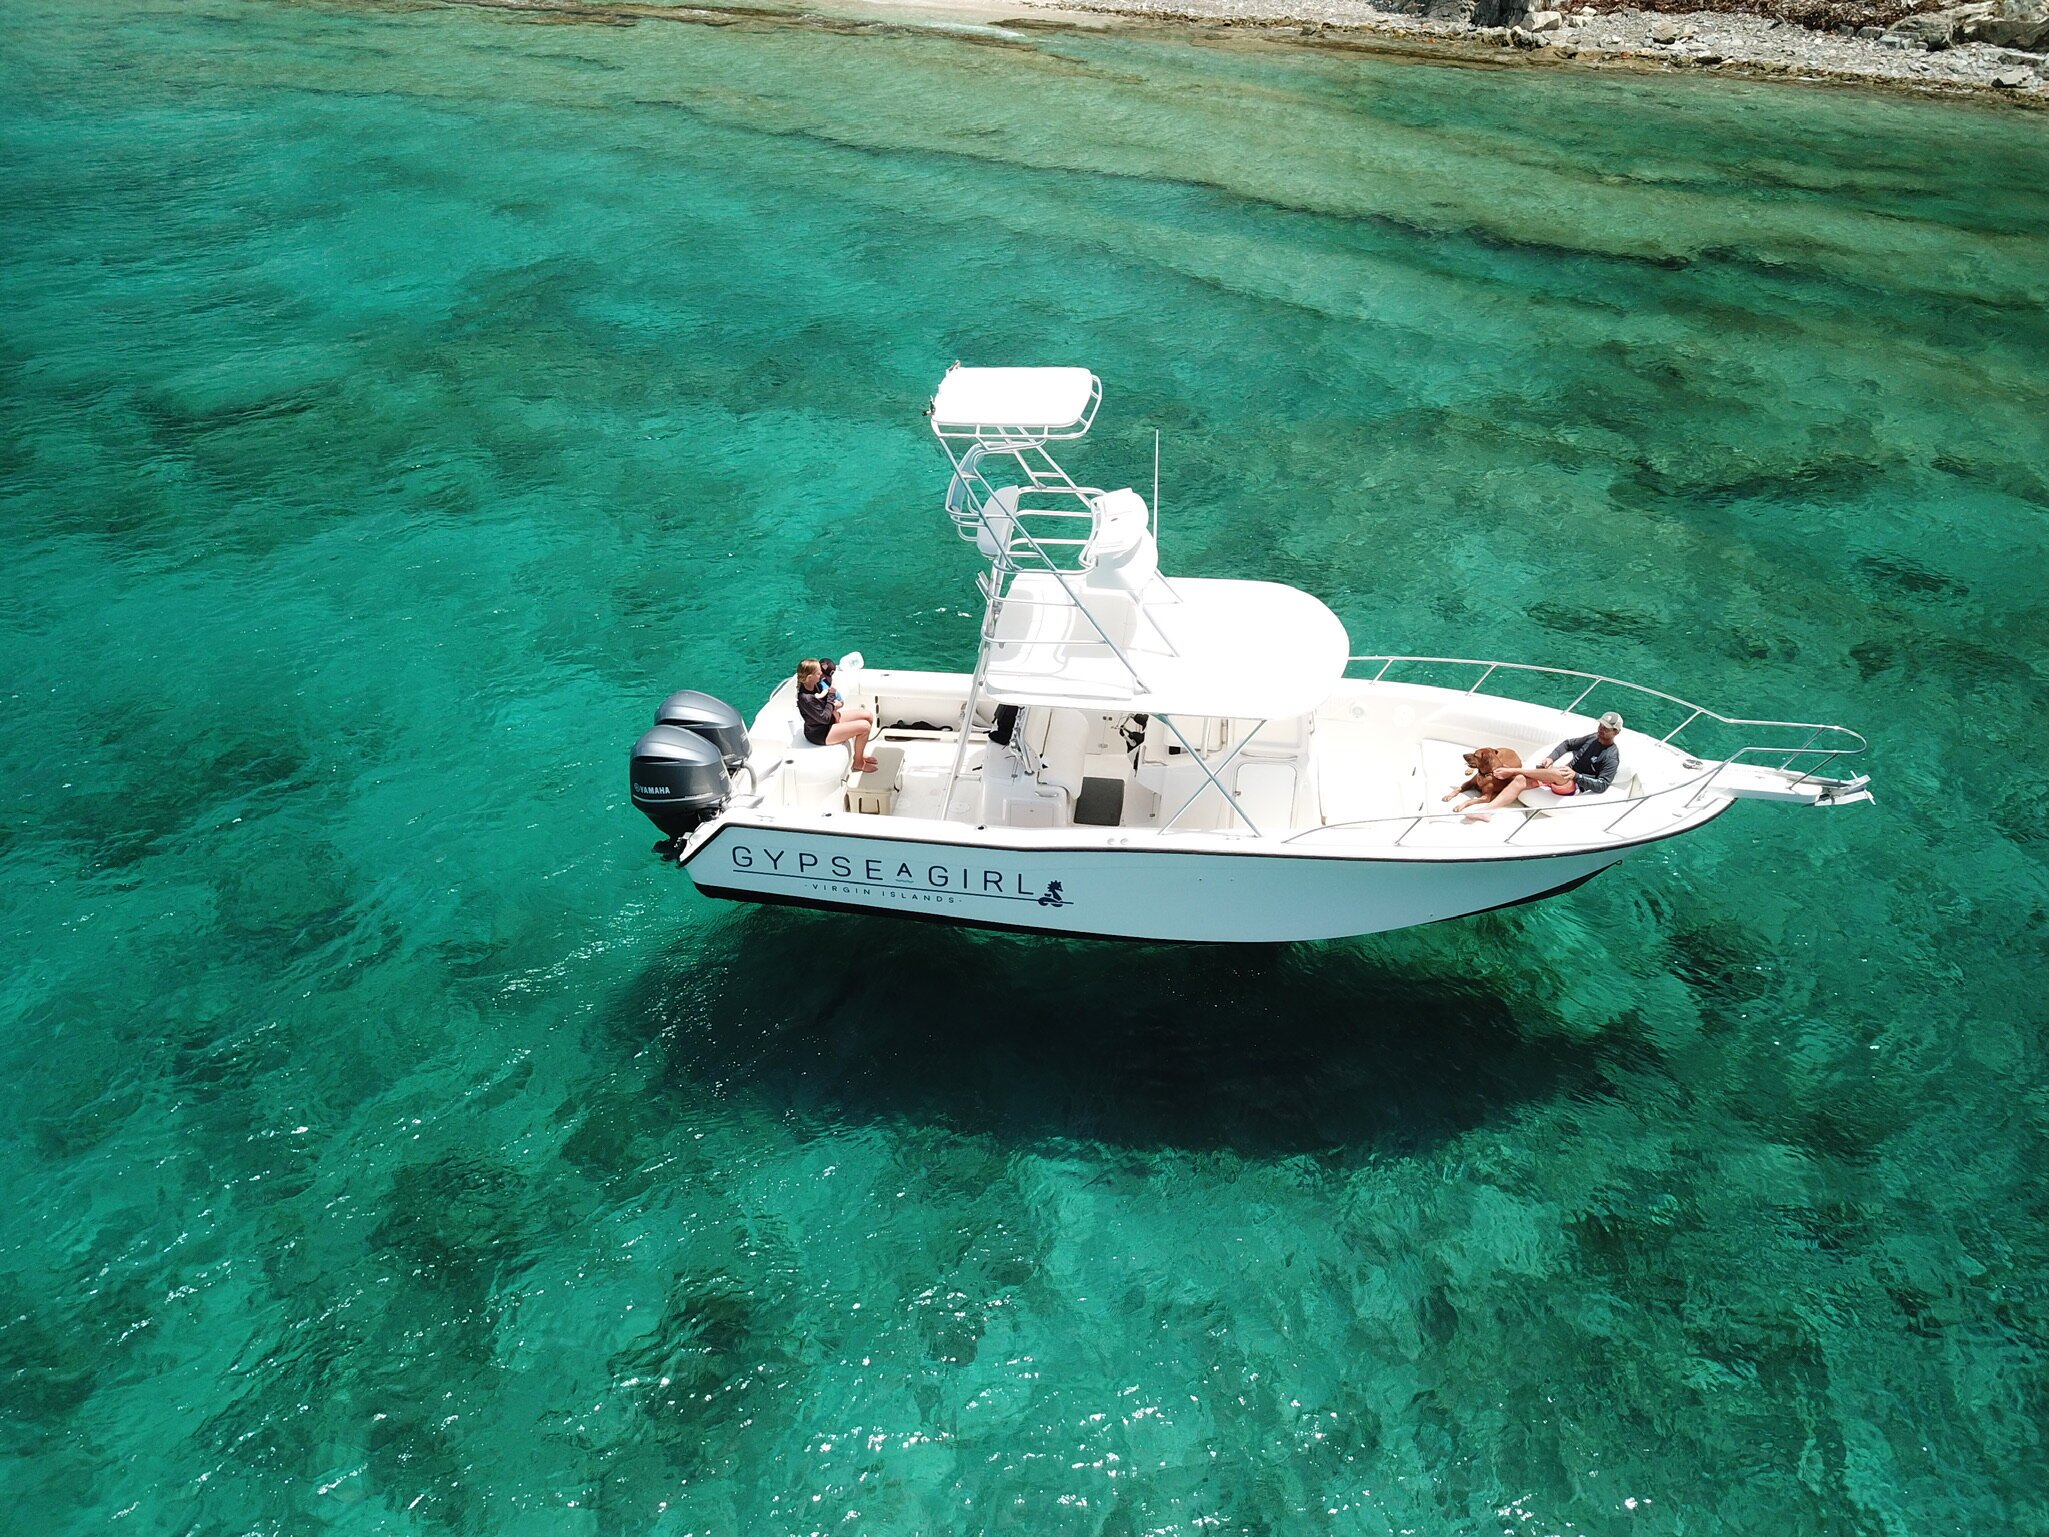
x: 1571, y: 787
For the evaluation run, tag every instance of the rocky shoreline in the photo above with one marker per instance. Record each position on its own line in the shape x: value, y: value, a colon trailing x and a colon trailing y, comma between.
x: 2000, y: 47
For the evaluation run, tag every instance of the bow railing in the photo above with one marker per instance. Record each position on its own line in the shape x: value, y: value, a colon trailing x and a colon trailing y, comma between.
x: 1806, y: 745
x: 1799, y: 752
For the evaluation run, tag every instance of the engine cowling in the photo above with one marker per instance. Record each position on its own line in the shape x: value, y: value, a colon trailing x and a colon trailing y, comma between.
x: 679, y: 779
x: 713, y: 719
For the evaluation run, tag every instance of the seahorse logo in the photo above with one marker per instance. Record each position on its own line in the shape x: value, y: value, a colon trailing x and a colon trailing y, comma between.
x: 1052, y: 897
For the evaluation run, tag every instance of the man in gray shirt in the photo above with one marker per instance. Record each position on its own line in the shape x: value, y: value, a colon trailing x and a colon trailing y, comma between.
x: 1581, y: 763
x: 1586, y: 763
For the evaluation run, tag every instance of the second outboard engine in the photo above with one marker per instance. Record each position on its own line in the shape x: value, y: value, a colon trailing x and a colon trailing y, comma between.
x: 713, y: 719
x: 679, y: 779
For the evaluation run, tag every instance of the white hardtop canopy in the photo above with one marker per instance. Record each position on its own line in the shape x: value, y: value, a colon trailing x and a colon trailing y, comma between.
x: 1236, y: 649
x: 1042, y: 402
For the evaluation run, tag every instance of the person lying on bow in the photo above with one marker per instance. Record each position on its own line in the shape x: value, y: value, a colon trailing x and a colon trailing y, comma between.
x: 1581, y: 764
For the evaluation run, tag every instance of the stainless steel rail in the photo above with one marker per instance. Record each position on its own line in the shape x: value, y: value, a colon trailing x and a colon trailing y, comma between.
x: 1016, y: 545
x: 1842, y: 741
x: 1824, y: 745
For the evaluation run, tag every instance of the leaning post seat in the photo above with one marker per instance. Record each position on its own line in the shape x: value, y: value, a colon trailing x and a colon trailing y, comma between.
x: 1121, y: 554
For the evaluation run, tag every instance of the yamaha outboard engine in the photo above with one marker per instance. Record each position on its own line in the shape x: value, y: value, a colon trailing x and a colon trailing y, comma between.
x: 713, y: 719
x: 683, y: 769
x: 679, y: 779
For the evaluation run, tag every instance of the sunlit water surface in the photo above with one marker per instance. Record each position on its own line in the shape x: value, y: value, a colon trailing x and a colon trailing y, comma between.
x: 397, y: 402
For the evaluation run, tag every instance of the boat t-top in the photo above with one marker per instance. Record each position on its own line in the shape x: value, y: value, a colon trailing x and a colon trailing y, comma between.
x: 1136, y: 756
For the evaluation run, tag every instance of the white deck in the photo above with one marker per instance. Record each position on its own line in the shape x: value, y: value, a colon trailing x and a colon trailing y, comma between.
x: 1351, y: 837
x: 1363, y: 774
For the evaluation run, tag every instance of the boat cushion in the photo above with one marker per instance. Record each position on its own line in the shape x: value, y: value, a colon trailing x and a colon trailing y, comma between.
x: 1062, y: 759
x: 1543, y: 798
x: 800, y: 743
x: 1120, y: 552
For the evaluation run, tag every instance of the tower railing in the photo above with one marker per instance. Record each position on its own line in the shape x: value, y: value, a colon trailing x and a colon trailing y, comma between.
x: 1043, y: 522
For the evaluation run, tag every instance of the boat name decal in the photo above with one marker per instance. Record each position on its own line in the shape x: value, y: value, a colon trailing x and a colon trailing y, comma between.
x: 948, y: 883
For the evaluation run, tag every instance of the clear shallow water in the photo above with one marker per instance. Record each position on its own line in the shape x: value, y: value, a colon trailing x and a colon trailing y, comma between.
x: 395, y: 404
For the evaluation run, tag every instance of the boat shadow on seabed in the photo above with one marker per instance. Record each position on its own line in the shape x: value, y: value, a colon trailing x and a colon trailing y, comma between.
x: 1265, y: 1051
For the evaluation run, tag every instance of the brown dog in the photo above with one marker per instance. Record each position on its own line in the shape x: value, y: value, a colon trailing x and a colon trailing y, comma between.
x: 1492, y: 768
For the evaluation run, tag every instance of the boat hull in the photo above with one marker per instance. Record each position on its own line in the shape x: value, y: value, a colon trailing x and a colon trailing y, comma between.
x: 1202, y: 895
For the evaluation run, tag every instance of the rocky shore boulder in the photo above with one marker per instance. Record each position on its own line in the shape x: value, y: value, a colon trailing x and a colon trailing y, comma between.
x: 1935, y: 29
x: 2002, y: 23
x: 1531, y: 16
x: 2012, y: 24
x: 1476, y: 13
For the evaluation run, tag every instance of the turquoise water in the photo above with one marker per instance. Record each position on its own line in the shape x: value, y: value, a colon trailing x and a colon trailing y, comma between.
x: 397, y: 402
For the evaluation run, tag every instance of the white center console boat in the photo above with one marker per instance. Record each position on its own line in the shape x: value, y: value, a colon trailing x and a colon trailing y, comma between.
x: 1140, y: 757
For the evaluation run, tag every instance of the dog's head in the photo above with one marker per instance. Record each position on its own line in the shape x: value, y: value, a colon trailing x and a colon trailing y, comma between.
x: 1479, y: 760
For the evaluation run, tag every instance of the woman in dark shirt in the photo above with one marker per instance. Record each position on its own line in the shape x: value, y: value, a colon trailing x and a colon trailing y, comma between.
x: 827, y: 724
